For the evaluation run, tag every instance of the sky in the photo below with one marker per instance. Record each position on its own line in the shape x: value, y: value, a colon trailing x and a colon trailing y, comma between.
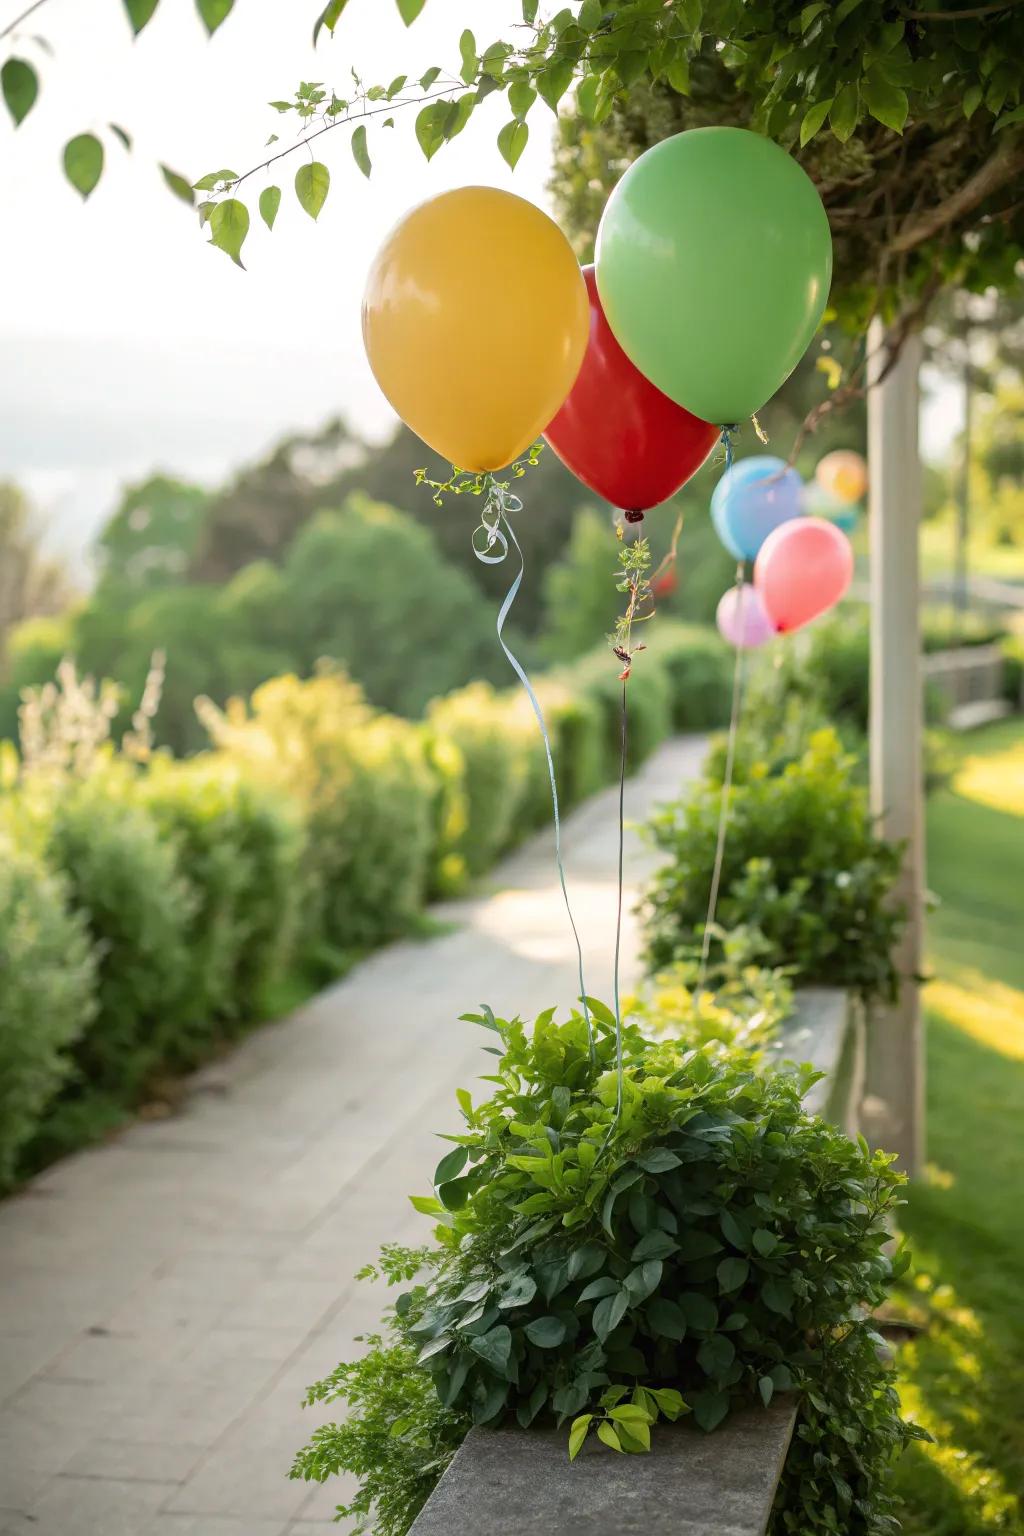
x: 127, y: 343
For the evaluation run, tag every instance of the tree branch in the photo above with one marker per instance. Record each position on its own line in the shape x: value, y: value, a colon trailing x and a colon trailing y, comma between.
x: 11, y: 25
x: 1003, y: 166
x: 969, y: 15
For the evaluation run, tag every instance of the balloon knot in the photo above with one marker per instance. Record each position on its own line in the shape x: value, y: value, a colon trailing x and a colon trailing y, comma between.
x: 634, y: 516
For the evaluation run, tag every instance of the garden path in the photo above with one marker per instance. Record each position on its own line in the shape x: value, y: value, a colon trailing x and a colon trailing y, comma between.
x: 165, y: 1299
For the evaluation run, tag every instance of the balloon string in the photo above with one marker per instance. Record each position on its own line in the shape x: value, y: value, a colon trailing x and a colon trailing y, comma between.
x: 618, y: 909
x: 498, y: 531
x: 725, y: 438
x: 723, y: 808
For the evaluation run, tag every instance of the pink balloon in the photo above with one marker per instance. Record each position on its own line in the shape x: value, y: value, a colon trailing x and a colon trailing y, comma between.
x: 741, y: 618
x: 802, y: 570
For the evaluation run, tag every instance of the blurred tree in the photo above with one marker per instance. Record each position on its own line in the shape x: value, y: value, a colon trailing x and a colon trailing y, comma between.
x: 31, y: 583
x: 150, y: 539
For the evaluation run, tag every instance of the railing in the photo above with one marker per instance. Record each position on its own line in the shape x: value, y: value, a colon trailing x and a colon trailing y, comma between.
x: 970, y: 679
x: 514, y: 1482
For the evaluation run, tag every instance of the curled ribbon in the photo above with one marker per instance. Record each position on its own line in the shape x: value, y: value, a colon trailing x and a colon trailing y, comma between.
x: 491, y: 541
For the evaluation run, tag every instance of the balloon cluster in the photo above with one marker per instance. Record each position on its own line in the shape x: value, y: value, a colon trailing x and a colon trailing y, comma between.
x: 802, y: 565
x: 482, y: 331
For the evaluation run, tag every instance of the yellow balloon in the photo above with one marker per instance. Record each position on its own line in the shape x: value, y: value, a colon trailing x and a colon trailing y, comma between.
x: 844, y: 475
x: 475, y: 322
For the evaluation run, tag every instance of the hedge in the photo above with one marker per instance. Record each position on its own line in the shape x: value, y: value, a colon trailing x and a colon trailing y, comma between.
x: 147, y: 909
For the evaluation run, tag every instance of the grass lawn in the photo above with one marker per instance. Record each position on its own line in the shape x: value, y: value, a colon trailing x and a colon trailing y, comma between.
x: 963, y: 1377
x: 1002, y: 561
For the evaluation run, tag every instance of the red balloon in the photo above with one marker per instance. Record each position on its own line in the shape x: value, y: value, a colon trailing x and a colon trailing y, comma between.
x: 618, y: 433
x: 802, y: 570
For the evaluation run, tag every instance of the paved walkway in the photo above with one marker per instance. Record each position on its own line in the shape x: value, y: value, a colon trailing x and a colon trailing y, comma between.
x: 165, y: 1299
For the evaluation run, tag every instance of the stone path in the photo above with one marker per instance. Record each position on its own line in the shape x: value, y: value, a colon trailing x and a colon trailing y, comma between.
x: 165, y: 1299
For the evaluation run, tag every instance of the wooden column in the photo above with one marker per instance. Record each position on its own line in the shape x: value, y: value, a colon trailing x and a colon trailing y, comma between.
x: 892, y: 1113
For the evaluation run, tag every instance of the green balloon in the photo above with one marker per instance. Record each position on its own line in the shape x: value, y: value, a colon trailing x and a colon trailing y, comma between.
x: 714, y: 260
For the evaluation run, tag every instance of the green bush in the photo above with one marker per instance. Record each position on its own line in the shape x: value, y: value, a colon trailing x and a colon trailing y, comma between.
x: 123, y: 877
x: 699, y: 666
x: 498, y: 743
x: 449, y: 812
x: 802, y: 864
x: 576, y: 728
x: 707, y: 1247
x: 366, y: 790
x: 1013, y: 670
x: 47, y: 976
x: 239, y: 847
x: 596, y: 677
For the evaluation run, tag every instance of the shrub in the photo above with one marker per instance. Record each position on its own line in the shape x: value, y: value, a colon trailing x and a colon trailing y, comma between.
x: 449, y: 812
x: 596, y: 677
x: 576, y: 727
x: 1013, y: 670
x: 47, y: 975
x: 367, y: 793
x: 123, y: 878
x: 580, y: 599
x: 699, y: 667
x: 710, y: 1246
x: 498, y: 743
x: 801, y: 864
x: 239, y: 847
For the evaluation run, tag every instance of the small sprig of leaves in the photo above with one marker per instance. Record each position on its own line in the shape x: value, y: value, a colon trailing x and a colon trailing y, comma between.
x: 626, y: 1426
x: 467, y: 482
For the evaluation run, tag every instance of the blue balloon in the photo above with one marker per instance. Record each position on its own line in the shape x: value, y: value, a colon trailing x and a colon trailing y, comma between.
x: 750, y: 500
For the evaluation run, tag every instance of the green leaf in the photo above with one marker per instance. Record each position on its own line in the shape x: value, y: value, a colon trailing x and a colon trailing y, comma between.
x: 427, y: 79
x: 586, y: 1261
x: 1016, y: 115
x: 83, y: 162
x: 700, y: 1313
x: 329, y: 17
x: 716, y: 1354
x: 659, y: 1160
x: 607, y: 1433
x: 844, y: 112
x: 494, y: 1347
x: 126, y: 139
x: 590, y: 15
x: 20, y: 86
x: 586, y: 96
x: 670, y: 1402
x: 433, y: 1347
x: 734, y: 1231
x: 698, y: 1245
x: 766, y: 1387
x: 645, y: 1279
x: 520, y: 1292
x: 710, y: 1408
x: 178, y: 185
x: 813, y: 119
x: 409, y: 10
x: 529, y: 9
x: 139, y: 12
x: 204, y: 211
x: 214, y: 12
x: 546, y: 1332
x: 521, y: 97
x: 360, y: 153
x: 765, y: 1242
x: 554, y: 81
x: 777, y: 1295
x: 312, y: 183
x: 512, y: 141
x: 810, y: 13
x: 470, y: 61
x: 604, y: 1286
x: 678, y: 75
x: 732, y: 1273
x: 229, y: 225
x: 886, y: 103
x: 666, y: 1319
x: 578, y: 1433
x: 452, y: 1164
x: 213, y: 179
x: 655, y: 1245
x: 972, y: 99
x: 426, y: 1205
x: 609, y: 1312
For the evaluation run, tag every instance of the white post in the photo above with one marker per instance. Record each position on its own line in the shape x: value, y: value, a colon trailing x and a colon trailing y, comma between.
x: 892, y: 1113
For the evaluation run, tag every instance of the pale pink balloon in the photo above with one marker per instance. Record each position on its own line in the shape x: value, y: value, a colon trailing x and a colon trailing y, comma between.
x: 802, y: 570
x: 741, y: 618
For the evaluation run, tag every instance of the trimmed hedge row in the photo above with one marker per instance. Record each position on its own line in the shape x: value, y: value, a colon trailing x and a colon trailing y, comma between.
x: 147, y: 911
